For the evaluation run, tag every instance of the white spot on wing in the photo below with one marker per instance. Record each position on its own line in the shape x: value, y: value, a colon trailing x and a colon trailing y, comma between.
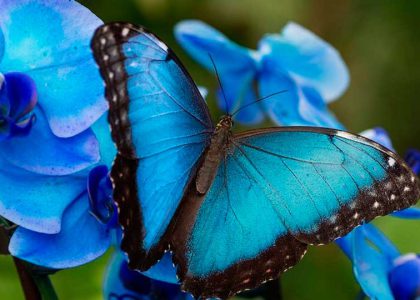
x: 376, y: 204
x: 401, y: 178
x: 125, y: 32
x: 391, y: 162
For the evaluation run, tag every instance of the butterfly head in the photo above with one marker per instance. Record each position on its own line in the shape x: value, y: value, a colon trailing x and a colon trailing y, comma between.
x: 225, y: 122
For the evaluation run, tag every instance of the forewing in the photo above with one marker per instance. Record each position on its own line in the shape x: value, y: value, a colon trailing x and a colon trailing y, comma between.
x: 161, y: 126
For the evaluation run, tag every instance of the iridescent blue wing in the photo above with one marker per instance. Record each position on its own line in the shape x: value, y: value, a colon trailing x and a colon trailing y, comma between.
x: 236, y: 65
x: 161, y: 126
x: 277, y: 191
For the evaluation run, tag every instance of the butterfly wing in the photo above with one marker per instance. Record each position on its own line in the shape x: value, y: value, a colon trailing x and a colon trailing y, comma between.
x: 277, y: 191
x: 161, y: 126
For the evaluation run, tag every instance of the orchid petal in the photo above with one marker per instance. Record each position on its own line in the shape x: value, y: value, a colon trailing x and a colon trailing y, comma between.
x: 370, y: 267
x: 313, y: 109
x: 293, y: 106
x: 123, y: 283
x: 346, y: 244
x: 308, y: 59
x: 107, y: 147
x: 36, y: 202
x: 81, y: 239
x: 164, y: 270
x: 382, y: 243
x: 202, y: 41
x: 380, y: 136
x: 408, y: 213
x: 283, y: 108
x: 412, y: 157
x: 404, y: 278
x: 44, y: 153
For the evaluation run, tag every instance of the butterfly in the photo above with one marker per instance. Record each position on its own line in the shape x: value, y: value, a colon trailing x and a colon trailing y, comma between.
x: 236, y: 210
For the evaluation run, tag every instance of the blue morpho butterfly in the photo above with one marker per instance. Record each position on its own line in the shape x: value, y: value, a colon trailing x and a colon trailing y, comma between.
x: 236, y: 210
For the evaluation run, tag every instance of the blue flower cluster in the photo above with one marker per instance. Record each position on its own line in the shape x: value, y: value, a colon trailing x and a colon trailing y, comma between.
x: 56, y: 150
x: 51, y: 165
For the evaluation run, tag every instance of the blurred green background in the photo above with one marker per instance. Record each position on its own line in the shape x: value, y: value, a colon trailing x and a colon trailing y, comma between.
x: 379, y: 40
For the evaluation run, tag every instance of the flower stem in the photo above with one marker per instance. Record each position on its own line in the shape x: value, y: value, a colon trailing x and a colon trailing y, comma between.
x: 35, y: 286
x: 29, y: 286
x: 45, y: 287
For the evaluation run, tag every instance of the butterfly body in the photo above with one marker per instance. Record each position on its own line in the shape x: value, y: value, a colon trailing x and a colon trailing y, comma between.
x: 217, y: 150
x: 236, y: 210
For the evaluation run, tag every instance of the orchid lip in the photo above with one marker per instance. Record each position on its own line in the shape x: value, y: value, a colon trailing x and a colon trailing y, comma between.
x: 18, y: 98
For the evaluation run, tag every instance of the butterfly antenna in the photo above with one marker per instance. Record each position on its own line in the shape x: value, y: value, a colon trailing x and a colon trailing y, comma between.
x: 258, y: 100
x: 220, y: 83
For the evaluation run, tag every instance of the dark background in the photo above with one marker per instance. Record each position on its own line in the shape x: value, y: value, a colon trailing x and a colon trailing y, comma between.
x: 380, y: 42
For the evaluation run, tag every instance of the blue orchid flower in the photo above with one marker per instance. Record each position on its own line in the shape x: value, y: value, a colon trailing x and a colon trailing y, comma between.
x: 88, y: 224
x: 296, y: 70
x: 381, y: 270
x: 121, y: 283
x: 50, y: 95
